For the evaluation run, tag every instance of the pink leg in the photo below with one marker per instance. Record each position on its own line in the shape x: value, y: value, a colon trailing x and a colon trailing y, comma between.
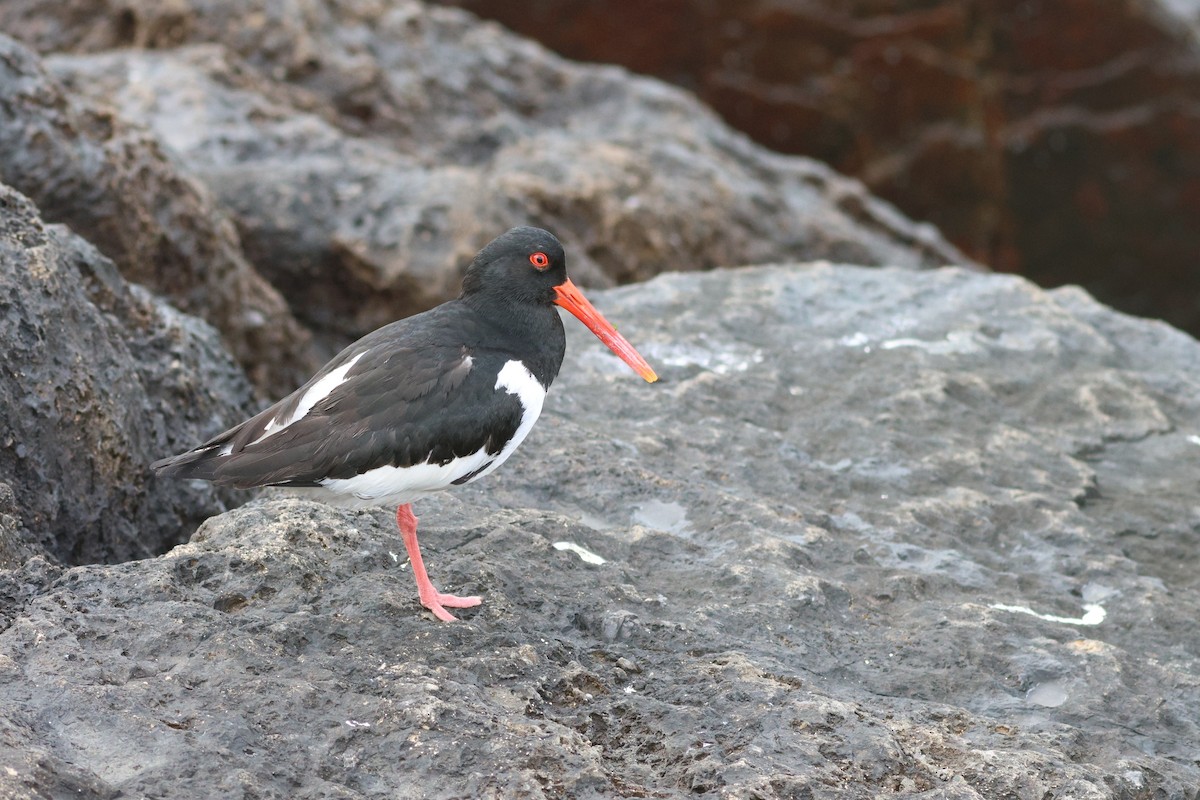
x: 431, y: 598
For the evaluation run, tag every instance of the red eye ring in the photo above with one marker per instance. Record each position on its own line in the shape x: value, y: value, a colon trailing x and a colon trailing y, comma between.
x: 539, y: 260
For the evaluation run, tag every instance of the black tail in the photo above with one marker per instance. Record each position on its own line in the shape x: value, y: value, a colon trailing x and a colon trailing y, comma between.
x: 201, y: 462
x: 198, y: 464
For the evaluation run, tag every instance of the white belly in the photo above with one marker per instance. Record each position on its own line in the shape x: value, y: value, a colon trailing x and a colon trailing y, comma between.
x: 390, y: 485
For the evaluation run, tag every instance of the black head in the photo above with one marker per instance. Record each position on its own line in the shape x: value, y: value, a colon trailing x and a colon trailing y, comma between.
x: 520, y: 275
x: 522, y: 266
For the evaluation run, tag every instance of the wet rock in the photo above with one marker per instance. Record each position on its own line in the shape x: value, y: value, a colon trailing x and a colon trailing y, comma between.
x: 98, y: 378
x: 114, y: 184
x: 1052, y: 139
x: 366, y: 151
x: 876, y: 530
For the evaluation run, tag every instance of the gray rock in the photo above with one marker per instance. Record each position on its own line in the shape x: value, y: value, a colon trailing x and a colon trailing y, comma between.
x: 16, y: 543
x: 98, y: 378
x: 819, y: 534
x: 368, y: 150
x: 114, y: 184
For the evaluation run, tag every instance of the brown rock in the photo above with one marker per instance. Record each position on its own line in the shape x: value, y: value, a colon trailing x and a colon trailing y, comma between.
x: 97, y: 378
x: 113, y: 183
x: 366, y: 151
x: 1055, y: 139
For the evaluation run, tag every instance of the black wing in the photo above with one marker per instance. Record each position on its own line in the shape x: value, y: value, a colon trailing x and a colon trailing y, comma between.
x: 404, y: 400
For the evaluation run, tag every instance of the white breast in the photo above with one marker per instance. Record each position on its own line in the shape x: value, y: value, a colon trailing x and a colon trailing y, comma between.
x: 390, y: 485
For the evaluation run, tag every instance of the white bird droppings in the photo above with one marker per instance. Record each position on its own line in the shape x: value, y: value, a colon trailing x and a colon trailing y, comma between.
x: 584, y: 554
x: 1093, y: 614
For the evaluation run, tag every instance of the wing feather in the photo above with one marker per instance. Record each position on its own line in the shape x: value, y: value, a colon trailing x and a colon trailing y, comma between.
x: 403, y: 399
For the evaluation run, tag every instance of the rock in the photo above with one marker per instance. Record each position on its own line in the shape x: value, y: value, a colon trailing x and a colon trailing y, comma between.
x: 927, y: 533
x: 98, y: 378
x: 113, y: 183
x: 368, y: 150
x: 1052, y: 139
x: 15, y: 541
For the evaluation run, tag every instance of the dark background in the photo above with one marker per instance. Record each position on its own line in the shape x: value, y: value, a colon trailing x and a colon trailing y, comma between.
x: 1058, y: 140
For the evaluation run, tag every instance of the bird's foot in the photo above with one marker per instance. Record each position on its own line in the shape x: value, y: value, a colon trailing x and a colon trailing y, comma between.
x: 436, y: 601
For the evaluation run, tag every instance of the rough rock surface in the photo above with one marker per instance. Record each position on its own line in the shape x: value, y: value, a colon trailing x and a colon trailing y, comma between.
x: 97, y: 378
x: 114, y: 184
x: 367, y: 150
x: 1057, y: 139
x: 819, y: 531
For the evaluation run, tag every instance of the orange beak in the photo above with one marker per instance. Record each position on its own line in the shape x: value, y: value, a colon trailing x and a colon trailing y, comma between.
x: 569, y: 297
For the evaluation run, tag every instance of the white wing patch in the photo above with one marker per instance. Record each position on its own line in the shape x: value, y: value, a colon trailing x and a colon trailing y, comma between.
x: 388, y: 485
x: 315, y: 394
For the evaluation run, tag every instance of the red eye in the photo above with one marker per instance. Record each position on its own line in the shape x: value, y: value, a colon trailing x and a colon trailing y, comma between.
x: 539, y: 260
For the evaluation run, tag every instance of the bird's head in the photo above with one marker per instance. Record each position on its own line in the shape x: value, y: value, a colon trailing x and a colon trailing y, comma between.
x: 527, y: 266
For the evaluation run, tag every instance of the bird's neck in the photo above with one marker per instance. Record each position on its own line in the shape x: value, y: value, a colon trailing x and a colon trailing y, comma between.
x: 531, y: 334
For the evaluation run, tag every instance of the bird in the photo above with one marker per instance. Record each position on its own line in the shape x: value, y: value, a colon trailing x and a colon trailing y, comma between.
x: 429, y: 402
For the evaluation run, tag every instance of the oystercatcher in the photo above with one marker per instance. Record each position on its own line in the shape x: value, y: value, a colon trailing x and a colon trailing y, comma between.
x: 436, y: 400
